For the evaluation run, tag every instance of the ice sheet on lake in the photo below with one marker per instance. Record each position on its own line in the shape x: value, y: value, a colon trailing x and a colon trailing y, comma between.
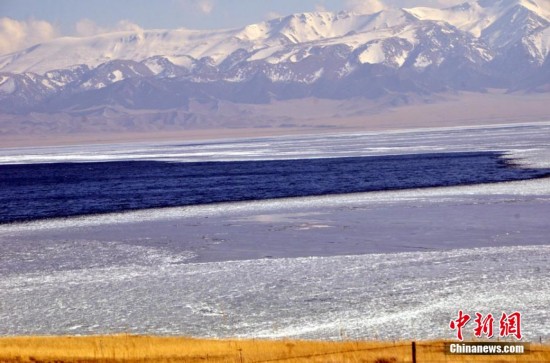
x: 528, y: 142
x: 388, y: 296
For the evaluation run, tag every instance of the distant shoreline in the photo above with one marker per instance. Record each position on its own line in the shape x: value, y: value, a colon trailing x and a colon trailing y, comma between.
x: 315, y: 117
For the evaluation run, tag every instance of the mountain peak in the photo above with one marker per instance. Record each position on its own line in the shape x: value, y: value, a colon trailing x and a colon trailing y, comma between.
x: 539, y: 7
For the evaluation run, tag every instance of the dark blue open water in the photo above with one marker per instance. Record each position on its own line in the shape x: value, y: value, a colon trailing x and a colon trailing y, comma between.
x: 34, y: 191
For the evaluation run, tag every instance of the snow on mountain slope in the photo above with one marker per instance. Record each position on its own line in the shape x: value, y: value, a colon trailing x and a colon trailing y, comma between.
x: 500, y: 23
x: 64, y: 52
x: 181, y: 46
x: 476, y: 16
x: 542, y: 41
x: 474, y: 46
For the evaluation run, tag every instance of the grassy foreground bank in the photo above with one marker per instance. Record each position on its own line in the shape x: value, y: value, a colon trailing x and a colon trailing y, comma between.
x: 129, y: 348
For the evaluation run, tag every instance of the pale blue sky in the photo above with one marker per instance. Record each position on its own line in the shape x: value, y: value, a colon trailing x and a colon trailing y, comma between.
x: 157, y: 14
x: 64, y: 14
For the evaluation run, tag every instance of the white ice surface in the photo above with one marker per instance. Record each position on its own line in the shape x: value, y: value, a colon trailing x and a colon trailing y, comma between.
x: 389, y: 296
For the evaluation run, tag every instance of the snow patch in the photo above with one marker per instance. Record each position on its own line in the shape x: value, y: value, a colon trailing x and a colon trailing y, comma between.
x: 116, y: 76
x: 89, y: 84
x: 345, y: 70
x: 314, y: 77
x: 401, y: 58
x: 253, y: 32
x: 154, y: 66
x: 47, y: 83
x: 374, y: 54
x: 422, y: 61
x: 278, y: 76
x: 541, y: 43
x: 267, y: 53
x: 8, y: 86
x: 181, y: 61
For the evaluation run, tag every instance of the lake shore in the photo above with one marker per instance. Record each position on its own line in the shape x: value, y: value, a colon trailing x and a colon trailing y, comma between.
x: 131, y: 348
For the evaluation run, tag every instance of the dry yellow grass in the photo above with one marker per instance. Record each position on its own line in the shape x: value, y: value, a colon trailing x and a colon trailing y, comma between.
x: 129, y: 348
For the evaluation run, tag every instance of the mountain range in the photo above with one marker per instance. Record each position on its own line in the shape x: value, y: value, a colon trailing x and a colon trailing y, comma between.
x: 187, y: 77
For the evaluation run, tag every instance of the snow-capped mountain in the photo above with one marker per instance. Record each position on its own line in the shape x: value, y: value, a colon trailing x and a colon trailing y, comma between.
x: 477, y: 45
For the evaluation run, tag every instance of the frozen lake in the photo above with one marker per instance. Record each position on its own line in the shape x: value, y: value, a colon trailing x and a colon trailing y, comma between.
x: 381, y: 264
